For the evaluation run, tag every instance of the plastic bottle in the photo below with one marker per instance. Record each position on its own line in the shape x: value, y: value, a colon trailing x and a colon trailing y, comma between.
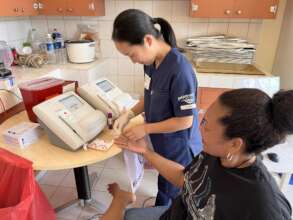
x: 61, y: 52
x: 55, y: 34
x: 63, y: 55
x: 59, y: 47
x: 50, y: 50
x: 31, y: 36
x: 35, y: 40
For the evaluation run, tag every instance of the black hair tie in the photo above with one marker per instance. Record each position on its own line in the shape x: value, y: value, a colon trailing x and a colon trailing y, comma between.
x: 155, y: 21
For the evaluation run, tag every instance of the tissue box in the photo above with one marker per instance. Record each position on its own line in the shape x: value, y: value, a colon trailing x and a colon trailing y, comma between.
x: 23, y: 134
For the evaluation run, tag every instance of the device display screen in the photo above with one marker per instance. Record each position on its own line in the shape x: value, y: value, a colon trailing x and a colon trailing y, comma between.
x: 105, y: 86
x: 71, y: 102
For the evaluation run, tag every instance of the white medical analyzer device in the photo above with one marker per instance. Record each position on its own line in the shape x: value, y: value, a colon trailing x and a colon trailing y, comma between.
x: 69, y: 121
x: 102, y: 94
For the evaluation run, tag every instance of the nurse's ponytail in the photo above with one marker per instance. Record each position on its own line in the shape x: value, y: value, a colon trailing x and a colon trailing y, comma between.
x: 167, y: 31
x: 132, y: 25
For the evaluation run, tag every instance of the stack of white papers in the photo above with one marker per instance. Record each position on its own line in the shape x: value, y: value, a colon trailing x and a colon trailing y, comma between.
x: 221, y: 49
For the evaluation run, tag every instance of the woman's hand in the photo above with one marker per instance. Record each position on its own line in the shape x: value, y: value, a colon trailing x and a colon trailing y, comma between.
x: 124, y: 197
x: 172, y: 171
x: 135, y: 133
x: 139, y: 146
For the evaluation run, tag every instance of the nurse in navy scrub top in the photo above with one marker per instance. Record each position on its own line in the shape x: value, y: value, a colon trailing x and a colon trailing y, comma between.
x: 170, y: 87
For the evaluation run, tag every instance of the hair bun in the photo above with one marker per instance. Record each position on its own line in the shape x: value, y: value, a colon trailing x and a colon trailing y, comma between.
x: 282, y: 111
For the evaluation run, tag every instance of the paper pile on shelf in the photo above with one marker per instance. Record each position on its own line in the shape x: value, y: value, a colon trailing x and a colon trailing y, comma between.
x: 221, y: 49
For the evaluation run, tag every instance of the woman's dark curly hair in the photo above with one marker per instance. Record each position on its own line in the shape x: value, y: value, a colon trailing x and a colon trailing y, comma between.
x: 259, y: 120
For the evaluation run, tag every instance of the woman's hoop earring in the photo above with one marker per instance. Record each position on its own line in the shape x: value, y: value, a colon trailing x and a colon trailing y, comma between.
x: 229, y: 156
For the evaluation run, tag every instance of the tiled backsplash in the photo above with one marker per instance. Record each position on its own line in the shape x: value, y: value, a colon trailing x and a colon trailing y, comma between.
x: 119, y: 68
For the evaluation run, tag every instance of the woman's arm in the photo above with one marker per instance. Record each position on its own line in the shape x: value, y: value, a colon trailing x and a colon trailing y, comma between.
x: 170, y: 170
x: 119, y: 203
x: 169, y: 125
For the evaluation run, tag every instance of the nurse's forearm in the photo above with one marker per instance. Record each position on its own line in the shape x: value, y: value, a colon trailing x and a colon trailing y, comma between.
x: 169, y: 169
x: 169, y: 125
x: 139, y: 107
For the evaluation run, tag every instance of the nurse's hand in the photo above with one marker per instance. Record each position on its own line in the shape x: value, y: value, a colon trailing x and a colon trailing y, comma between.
x: 122, y: 121
x: 136, y: 133
x: 140, y: 146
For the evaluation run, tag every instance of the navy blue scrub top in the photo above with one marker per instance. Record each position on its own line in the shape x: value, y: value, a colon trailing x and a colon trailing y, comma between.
x: 170, y: 91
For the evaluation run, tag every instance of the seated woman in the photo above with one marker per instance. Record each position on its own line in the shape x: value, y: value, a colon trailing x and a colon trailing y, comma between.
x: 227, y: 181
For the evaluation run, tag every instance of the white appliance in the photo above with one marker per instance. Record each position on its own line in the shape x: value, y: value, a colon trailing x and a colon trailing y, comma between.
x: 80, y: 51
x: 69, y: 121
x: 102, y: 94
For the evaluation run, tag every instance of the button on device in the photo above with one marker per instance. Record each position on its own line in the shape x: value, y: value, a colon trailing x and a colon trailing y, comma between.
x: 66, y: 115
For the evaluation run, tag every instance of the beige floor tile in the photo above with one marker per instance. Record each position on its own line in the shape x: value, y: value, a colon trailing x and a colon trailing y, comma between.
x: 71, y: 213
x: 69, y: 180
x: 112, y: 176
x: 103, y: 198
x: 100, y: 164
x: 48, y: 190
x: 53, y: 177
x: 63, y: 195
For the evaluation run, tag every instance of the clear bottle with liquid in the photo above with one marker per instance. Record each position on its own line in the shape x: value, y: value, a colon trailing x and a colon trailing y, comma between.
x: 59, y: 47
x: 50, y: 50
x: 61, y: 51
x: 35, y: 40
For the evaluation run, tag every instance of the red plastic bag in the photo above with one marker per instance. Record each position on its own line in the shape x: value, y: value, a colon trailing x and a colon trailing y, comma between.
x: 20, y: 196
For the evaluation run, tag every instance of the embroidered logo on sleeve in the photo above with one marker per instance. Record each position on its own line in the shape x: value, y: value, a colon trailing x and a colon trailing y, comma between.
x: 187, y: 102
x: 186, y: 107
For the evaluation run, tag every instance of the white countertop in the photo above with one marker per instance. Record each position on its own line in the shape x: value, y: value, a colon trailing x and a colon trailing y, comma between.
x: 269, y: 84
x: 66, y: 71
x: 84, y: 73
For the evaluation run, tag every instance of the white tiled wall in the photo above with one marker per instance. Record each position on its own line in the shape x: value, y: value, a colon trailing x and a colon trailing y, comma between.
x: 119, y: 68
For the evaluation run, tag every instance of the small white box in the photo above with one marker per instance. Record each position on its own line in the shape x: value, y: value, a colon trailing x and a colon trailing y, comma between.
x: 23, y: 134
